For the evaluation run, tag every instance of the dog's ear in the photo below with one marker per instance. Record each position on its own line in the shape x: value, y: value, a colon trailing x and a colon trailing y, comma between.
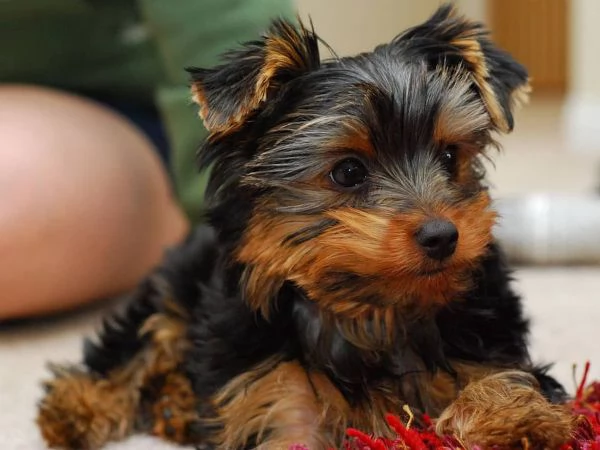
x: 447, y: 38
x: 230, y: 92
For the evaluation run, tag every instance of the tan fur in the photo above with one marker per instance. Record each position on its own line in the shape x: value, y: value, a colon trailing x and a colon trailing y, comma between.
x: 356, y: 139
x: 199, y: 97
x: 174, y: 409
x: 462, y: 114
x: 304, y: 407
x: 379, y: 245
x: 286, y: 405
x: 85, y: 411
x: 381, y: 336
x: 282, y: 53
x: 439, y: 390
x: 369, y: 415
x: 505, y: 409
x: 520, y: 96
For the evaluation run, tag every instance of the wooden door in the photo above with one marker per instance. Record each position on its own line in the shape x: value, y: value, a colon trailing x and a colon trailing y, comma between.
x: 536, y: 33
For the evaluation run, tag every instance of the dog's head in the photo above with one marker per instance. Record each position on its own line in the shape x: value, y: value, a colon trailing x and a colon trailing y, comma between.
x: 357, y: 179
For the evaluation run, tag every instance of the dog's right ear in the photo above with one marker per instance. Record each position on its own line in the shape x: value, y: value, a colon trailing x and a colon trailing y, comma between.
x: 229, y: 93
x: 452, y: 40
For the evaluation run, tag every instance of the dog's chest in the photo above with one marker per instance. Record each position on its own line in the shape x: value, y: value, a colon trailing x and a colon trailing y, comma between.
x: 368, y: 354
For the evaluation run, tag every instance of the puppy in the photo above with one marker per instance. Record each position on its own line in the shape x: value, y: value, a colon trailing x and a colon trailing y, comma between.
x: 347, y: 266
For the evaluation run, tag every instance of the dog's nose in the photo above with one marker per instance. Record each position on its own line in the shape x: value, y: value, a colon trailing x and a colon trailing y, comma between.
x: 438, y: 238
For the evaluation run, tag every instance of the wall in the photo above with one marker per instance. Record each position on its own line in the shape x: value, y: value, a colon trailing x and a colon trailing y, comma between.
x: 582, y: 108
x: 351, y: 26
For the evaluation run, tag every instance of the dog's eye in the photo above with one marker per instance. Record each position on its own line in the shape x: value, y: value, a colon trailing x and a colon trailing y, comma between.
x: 449, y: 159
x: 349, y: 173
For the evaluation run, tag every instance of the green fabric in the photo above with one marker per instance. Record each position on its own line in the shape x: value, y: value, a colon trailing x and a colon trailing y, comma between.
x: 134, y: 51
x: 185, y: 135
x: 195, y: 35
x: 87, y: 46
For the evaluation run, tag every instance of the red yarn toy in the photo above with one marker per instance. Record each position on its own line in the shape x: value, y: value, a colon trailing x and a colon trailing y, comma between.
x: 585, y: 407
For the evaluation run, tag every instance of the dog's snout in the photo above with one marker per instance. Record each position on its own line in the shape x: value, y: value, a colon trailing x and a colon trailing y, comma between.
x: 438, y: 238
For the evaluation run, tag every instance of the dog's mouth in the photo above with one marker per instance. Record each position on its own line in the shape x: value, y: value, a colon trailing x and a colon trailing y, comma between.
x: 431, y: 272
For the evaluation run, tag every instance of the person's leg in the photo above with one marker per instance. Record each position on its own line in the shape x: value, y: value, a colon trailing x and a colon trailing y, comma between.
x: 86, y: 206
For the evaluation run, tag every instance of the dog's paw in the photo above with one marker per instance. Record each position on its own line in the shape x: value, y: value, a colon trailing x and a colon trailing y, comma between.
x: 506, y: 410
x: 81, y: 412
x: 174, y: 411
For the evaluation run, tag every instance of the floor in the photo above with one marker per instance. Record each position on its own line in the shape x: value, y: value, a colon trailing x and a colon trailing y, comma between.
x: 536, y: 158
x: 563, y: 301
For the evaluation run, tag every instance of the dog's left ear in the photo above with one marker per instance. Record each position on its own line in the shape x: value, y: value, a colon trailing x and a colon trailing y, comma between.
x: 229, y: 93
x: 447, y: 38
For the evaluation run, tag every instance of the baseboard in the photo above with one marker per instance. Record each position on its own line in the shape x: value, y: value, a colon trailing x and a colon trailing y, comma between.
x: 581, y: 124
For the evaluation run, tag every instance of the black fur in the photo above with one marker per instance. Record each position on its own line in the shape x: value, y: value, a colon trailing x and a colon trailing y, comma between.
x: 180, y: 275
x: 488, y: 323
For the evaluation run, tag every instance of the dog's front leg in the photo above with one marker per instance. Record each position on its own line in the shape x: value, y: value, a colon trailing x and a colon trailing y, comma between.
x: 506, y: 409
x: 283, y: 406
x: 85, y: 409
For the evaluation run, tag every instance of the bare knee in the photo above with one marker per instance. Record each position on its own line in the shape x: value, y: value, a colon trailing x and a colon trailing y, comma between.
x: 87, y: 208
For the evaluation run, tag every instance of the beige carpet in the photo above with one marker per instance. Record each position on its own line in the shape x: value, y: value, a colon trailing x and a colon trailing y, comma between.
x: 563, y: 302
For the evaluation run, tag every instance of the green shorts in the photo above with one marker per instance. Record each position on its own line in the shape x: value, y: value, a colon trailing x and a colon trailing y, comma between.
x: 132, y: 52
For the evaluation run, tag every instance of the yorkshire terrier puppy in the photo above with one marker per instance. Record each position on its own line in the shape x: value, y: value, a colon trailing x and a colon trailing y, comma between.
x: 347, y: 267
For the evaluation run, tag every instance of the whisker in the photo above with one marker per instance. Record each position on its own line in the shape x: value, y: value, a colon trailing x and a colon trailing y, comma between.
x: 310, y: 232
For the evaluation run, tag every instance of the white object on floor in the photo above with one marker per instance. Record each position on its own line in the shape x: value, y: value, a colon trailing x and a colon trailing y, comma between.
x: 550, y: 228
